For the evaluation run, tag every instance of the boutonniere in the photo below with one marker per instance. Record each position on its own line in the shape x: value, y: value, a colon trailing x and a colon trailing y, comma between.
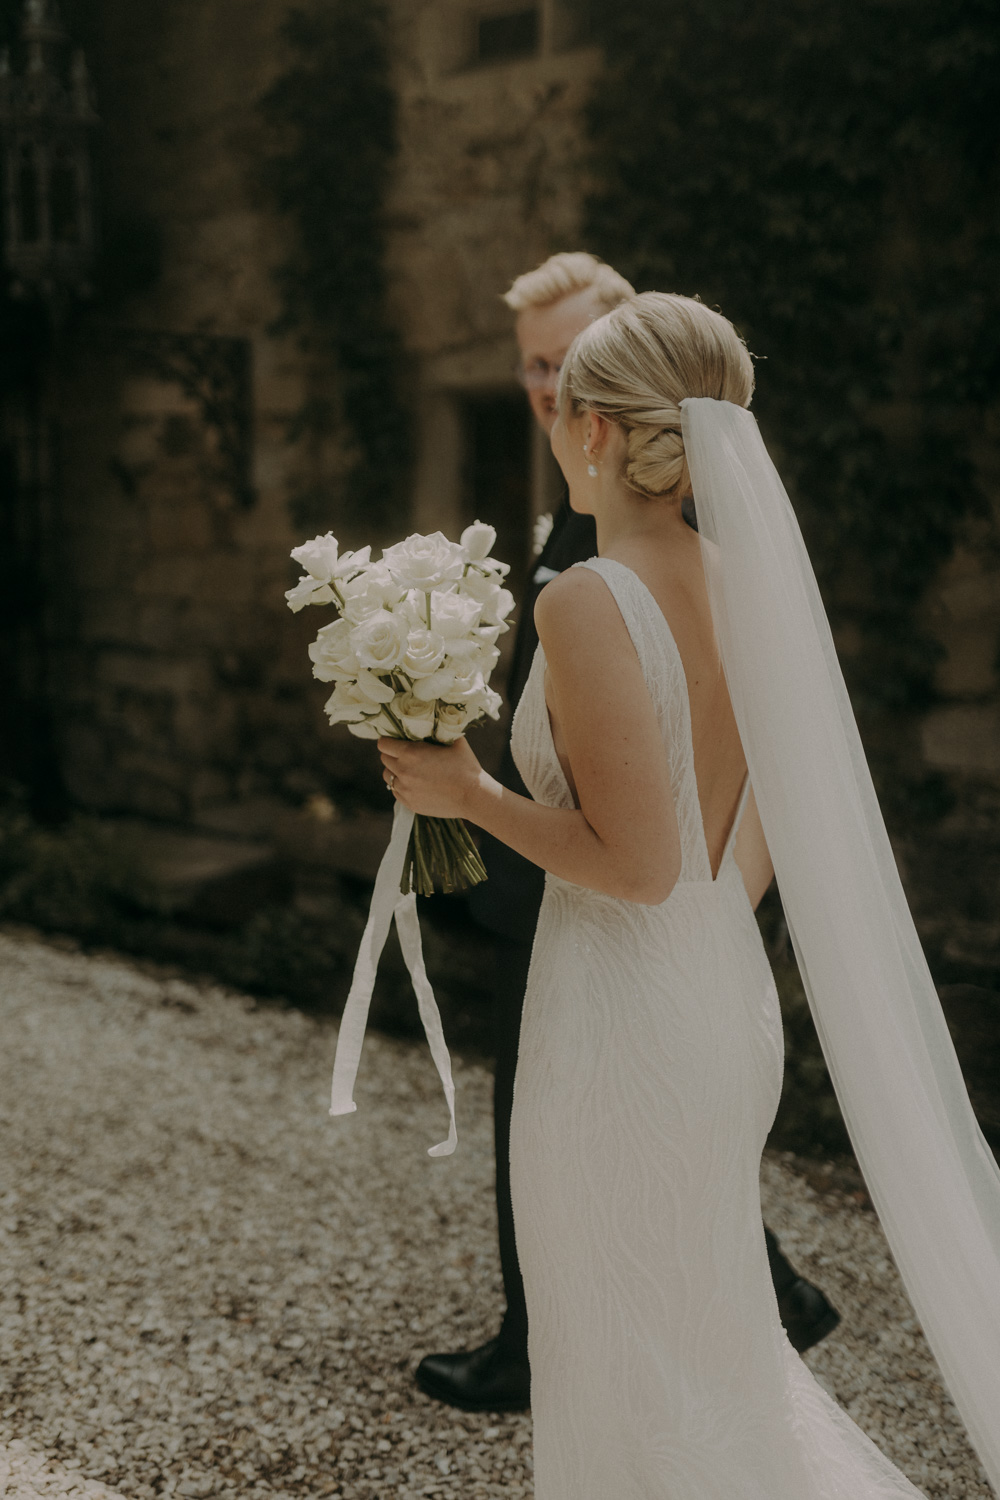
x: 541, y: 533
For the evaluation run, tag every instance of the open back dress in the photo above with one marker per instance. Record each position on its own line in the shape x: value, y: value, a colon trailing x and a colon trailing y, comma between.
x: 648, y: 1075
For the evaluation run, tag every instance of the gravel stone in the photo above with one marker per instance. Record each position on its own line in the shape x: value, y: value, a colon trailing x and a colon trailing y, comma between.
x: 210, y: 1288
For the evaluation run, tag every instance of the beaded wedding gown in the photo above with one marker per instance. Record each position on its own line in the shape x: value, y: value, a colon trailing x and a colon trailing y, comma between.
x: 648, y: 1075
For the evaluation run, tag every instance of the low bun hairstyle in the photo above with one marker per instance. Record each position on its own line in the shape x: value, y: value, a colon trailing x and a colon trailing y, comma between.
x: 636, y: 365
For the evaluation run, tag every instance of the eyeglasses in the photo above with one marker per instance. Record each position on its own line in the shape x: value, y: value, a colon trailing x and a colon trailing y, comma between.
x: 538, y: 375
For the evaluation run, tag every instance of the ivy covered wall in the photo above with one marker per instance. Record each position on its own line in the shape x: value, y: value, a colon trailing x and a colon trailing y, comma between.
x: 828, y: 176
x: 334, y: 111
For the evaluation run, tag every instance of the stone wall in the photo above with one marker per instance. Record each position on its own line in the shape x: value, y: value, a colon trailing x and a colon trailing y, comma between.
x: 175, y: 658
x: 489, y: 184
x: 182, y: 679
x: 954, y: 869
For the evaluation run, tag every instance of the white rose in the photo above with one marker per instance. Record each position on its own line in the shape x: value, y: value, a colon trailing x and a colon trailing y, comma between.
x: 500, y: 609
x: 416, y: 716
x: 373, y: 689
x: 414, y: 606
x: 424, y: 562
x: 424, y: 653
x: 351, y: 703
x: 373, y: 729
x: 319, y: 557
x: 490, y: 567
x: 462, y: 651
x: 486, y: 659
x: 353, y: 562
x: 479, y: 586
x: 497, y: 602
x: 471, y: 683
x: 359, y: 705
x: 346, y: 705
x: 478, y: 540
x: 485, y: 702
x: 331, y: 653
x: 451, y: 723
x: 427, y: 689
x: 372, y: 589
x: 454, y: 614
x: 308, y: 591
x: 479, y: 647
x: 380, y: 640
x: 450, y: 684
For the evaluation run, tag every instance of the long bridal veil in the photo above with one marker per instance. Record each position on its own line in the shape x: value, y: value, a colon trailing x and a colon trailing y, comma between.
x: 931, y: 1175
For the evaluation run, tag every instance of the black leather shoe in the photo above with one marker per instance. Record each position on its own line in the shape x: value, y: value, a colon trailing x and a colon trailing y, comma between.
x: 806, y: 1314
x: 485, y: 1379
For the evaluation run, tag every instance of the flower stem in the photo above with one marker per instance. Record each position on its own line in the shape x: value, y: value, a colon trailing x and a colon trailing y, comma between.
x: 396, y: 723
x: 440, y: 856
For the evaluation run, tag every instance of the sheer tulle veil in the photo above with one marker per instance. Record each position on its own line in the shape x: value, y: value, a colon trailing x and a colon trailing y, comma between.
x: 931, y: 1175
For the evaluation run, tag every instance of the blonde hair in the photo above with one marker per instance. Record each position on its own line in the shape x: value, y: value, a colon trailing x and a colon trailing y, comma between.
x: 635, y: 366
x: 565, y: 273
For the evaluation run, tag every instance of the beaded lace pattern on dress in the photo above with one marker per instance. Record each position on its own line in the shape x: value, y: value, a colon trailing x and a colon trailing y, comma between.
x: 648, y: 1075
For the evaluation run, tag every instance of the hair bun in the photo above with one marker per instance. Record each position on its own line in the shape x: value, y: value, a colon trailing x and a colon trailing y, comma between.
x: 656, y: 463
x: 637, y: 364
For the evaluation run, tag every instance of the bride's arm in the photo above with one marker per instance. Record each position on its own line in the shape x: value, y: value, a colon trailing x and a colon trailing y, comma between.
x: 623, y: 839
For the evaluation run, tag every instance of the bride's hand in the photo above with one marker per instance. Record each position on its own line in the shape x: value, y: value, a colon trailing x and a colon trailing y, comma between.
x: 435, y: 780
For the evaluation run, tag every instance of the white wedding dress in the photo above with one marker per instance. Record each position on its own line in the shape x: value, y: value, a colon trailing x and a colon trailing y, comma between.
x: 648, y: 1076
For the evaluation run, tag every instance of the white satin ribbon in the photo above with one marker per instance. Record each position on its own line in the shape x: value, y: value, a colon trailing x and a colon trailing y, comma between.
x: 387, y: 903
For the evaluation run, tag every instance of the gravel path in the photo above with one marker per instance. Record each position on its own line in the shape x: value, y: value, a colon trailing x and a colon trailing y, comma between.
x: 207, y: 1287
x: 25, y: 1475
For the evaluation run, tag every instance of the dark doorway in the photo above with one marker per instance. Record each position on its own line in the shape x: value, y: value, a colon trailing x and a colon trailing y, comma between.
x: 496, y: 473
x: 28, y: 755
x: 510, y: 35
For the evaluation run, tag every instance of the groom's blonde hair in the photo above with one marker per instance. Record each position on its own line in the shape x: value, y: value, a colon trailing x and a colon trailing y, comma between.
x: 563, y: 274
x: 635, y: 366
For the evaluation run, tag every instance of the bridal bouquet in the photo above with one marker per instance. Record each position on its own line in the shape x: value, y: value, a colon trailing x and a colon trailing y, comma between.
x: 411, y: 655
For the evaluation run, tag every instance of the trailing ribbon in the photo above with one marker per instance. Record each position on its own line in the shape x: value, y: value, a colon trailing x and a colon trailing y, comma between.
x: 387, y: 903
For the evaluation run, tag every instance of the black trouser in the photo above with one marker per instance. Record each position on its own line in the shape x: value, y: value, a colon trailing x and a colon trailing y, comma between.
x: 510, y: 981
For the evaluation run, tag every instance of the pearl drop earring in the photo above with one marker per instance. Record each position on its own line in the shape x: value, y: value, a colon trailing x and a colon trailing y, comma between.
x: 591, y: 467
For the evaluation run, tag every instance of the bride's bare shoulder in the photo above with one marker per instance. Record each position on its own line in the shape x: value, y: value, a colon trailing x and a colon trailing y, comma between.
x: 581, y: 628
x: 578, y: 595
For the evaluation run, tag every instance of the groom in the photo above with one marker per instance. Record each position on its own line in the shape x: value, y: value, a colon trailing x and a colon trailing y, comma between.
x: 553, y: 304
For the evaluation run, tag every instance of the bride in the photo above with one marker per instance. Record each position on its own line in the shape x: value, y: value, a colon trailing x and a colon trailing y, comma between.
x: 685, y: 733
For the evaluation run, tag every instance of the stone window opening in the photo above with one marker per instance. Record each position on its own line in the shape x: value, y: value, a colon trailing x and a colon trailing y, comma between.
x: 28, y: 197
x: 508, y: 36
x: 64, y: 199
x: 474, y: 34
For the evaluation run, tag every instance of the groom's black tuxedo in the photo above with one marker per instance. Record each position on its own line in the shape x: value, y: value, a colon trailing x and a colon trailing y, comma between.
x: 507, y: 904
